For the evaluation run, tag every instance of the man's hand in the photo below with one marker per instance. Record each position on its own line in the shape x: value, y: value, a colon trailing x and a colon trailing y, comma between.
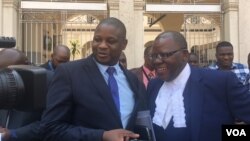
x: 5, y: 133
x: 119, y: 135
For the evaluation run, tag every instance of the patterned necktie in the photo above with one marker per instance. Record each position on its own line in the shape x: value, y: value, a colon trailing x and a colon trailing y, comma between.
x: 150, y: 75
x: 113, y: 87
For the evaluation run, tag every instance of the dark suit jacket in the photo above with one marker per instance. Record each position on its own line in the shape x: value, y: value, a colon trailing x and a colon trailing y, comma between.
x: 26, y: 124
x: 216, y: 98
x: 138, y: 72
x: 80, y: 106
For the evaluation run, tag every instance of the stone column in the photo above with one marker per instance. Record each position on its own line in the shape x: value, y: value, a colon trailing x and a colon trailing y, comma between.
x: 1, y: 18
x: 231, y: 25
x: 244, y: 28
x: 130, y: 12
x: 113, y: 7
x: 10, y: 16
x: 137, y: 30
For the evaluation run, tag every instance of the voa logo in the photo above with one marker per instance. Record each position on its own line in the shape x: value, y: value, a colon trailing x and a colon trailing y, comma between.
x: 236, y: 132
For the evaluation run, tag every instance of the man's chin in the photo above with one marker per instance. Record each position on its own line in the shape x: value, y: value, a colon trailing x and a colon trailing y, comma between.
x: 228, y: 66
x: 105, y: 62
x: 102, y: 62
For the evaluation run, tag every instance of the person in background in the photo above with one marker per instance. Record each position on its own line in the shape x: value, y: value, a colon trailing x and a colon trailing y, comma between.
x: 146, y: 72
x: 123, y: 60
x: 16, y: 125
x: 191, y: 103
x: 225, y: 55
x: 95, y: 99
x: 61, y: 54
x: 193, y: 60
x: 12, y: 57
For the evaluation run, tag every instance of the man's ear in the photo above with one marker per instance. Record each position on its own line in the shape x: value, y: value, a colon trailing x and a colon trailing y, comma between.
x: 216, y: 56
x: 185, y: 55
x: 125, y: 42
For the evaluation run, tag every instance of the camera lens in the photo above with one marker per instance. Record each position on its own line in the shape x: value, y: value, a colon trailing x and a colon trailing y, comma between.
x: 11, y: 88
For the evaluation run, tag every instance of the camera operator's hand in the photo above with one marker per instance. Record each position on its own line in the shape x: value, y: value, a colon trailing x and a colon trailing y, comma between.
x: 119, y: 135
x: 5, y: 133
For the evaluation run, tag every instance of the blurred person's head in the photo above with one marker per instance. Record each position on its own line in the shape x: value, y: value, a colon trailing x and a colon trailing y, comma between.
x: 193, y: 60
x: 109, y: 41
x: 123, y: 60
x: 12, y: 56
x: 170, y: 55
x: 224, y: 55
x: 61, y: 54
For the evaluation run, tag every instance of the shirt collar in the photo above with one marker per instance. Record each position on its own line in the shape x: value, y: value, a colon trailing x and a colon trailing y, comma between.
x: 147, y: 71
x: 182, y: 78
x: 51, y: 65
x: 233, y: 66
x: 103, y: 68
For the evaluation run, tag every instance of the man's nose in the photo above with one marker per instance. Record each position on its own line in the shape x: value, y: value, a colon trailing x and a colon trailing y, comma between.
x: 226, y: 56
x: 103, y: 44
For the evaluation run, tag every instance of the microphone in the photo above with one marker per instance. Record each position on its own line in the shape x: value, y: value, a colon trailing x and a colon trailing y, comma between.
x: 7, y: 42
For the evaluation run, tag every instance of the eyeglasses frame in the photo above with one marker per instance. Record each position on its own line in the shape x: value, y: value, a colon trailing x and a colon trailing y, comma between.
x: 165, y: 55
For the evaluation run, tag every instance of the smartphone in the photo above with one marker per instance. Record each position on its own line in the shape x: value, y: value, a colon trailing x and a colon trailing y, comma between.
x: 144, y: 132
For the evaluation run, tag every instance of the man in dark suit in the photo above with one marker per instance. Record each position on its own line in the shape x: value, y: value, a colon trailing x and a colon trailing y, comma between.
x: 190, y: 103
x: 61, y: 54
x: 146, y: 72
x: 80, y: 104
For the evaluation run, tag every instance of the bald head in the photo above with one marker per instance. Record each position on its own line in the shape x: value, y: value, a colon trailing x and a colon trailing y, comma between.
x: 61, y: 54
x: 177, y: 37
x: 61, y: 49
x: 12, y: 57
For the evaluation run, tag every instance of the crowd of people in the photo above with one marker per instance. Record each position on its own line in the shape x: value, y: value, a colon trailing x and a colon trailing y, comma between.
x: 98, y: 98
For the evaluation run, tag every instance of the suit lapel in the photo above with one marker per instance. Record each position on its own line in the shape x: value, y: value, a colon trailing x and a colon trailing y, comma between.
x: 195, y: 89
x: 98, y: 81
x: 141, y: 74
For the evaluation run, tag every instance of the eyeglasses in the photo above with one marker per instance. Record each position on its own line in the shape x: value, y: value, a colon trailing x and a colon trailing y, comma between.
x: 164, y: 56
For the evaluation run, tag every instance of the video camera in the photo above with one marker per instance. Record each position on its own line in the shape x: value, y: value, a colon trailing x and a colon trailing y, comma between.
x: 22, y: 87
